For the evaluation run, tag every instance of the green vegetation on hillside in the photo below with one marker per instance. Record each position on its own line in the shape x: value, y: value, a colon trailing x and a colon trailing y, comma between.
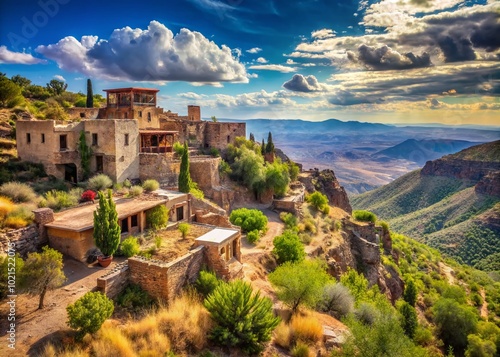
x: 489, y: 152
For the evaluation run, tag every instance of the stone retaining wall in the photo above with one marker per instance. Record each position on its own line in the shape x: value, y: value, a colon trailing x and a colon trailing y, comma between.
x: 162, y: 280
x: 113, y: 283
x: 27, y: 240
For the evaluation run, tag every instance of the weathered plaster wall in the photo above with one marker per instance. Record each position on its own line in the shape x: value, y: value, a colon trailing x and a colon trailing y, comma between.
x: 76, y: 113
x: 219, y: 135
x: 74, y: 244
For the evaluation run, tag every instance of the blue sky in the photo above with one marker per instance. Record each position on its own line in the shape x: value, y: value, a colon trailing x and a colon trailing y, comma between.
x: 391, y: 61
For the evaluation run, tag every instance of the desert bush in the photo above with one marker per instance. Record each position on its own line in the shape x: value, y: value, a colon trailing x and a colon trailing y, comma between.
x: 87, y: 196
x: 242, y: 317
x: 15, y: 222
x: 317, y: 200
x: 130, y: 247
x: 253, y: 236
x: 127, y: 183
x: 111, y: 341
x: 299, y: 283
x: 150, y: 185
x: 158, y: 241
x: 364, y: 216
x: 310, y: 225
x: 366, y: 313
x: 288, y: 247
x: 157, y: 217
x: 248, y: 219
x: 135, y: 191
x: 196, y: 192
x: 306, y: 328
x: 184, y: 229
x: 58, y: 200
x: 206, y: 283
x: 336, y: 300
x: 289, y: 219
x: 134, y: 297
x: 22, y: 212
x: 87, y: 314
x: 99, y: 182
x: 18, y: 192
x: 300, y: 350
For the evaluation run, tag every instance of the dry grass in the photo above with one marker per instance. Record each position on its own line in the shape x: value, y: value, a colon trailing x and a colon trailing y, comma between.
x: 306, y: 328
x: 283, y: 335
x: 6, y: 206
x: 186, y: 322
x: 15, y: 222
x: 301, y: 350
x: 51, y: 351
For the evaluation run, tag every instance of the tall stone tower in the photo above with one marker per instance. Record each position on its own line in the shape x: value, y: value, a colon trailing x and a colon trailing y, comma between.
x: 194, y: 113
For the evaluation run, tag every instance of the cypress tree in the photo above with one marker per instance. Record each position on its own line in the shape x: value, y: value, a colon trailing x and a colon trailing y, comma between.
x: 90, y: 94
x: 270, y: 145
x: 106, y: 228
x: 184, y: 177
x: 85, y: 154
x: 252, y: 138
x: 263, y: 147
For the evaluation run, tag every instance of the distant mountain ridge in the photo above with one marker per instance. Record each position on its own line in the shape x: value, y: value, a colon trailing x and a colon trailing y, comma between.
x: 452, y: 204
x: 421, y: 151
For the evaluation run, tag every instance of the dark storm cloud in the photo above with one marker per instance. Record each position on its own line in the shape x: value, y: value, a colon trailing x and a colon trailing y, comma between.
x: 385, y: 58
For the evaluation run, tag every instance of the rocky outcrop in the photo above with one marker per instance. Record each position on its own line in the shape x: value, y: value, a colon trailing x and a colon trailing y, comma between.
x: 489, y: 184
x: 326, y: 182
x: 460, y: 169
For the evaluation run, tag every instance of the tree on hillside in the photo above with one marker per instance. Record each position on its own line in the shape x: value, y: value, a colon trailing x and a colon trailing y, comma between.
x: 299, y: 283
x: 252, y: 137
x: 43, y: 272
x: 263, y: 147
x: 184, y: 176
x: 88, y: 313
x: 410, y: 293
x: 90, y: 95
x: 214, y: 118
x: 288, y: 247
x: 57, y: 87
x: 8, y: 91
x: 21, y: 81
x: 270, y: 144
x: 107, y: 231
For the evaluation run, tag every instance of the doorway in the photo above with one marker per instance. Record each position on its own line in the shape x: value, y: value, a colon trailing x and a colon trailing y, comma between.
x: 70, y: 173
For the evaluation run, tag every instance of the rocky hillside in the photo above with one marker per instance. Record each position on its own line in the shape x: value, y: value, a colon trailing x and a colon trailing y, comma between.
x: 451, y: 204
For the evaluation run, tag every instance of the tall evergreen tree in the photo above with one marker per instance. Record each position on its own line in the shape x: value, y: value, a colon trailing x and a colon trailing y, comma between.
x: 106, y: 228
x: 90, y: 94
x: 252, y: 137
x: 85, y: 154
x: 270, y: 145
x: 263, y: 147
x: 184, y: 177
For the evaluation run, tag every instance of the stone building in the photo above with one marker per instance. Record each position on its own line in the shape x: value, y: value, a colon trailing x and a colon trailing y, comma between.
x: 126, y: 137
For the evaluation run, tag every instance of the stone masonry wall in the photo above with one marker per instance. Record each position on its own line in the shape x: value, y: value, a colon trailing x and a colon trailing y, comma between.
x: 218, y: 135
x: 161, y: 167
x: 205, y: 172
x: 77, y: 113
x: 27, y: 240
x: 113, y: 283
x: 165, y: 280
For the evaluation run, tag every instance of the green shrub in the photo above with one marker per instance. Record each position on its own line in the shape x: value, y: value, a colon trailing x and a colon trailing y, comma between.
x: 150, y: 185
x: 99, y: 182
x: 127, y: 183
x: 134, y: 297
x: 300, y: 350
x: 196, y: 192
x: 366, y: 313
x: 288, y: 247
x: 135, y: 191
x: 157, y: 217
x: 130, y: 247
x: 317, y: 200
x: 337, y: 300
x: 89, y: 312
x: 249, y: 219
x: 18, y: 192
x: 158, y: 241
x: 206, y: 283
x: 289, y: 219
x: 214, y: 152
x: 106, y: 228
x: 253, y: 236
x: 178, y: 148
x: 299, y: 283
x: 242, y: 318
x: 20, y: 213
x: 364, y: 216
x: 184, y: 229
x: 409, y: 320
x: 58, y: 200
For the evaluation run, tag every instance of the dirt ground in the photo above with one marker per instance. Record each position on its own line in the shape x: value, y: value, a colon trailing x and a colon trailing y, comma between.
x: 34, y: 327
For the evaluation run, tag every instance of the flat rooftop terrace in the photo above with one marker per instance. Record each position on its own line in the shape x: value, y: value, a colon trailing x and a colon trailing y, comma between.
x: 217, y: 236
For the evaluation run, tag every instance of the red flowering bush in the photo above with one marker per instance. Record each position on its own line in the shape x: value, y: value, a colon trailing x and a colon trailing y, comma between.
x: 88, y: 195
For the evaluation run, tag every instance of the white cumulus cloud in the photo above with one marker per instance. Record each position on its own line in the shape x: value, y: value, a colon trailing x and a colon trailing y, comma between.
x: 254, y: 50
x: 274, y: 67
x: 59, y: 78
x: 261, y: 60
x: 9, y: 57
x: 153, y: 54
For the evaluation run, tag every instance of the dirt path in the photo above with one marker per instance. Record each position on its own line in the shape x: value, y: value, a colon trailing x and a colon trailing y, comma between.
x: 448, y: 272
x: 35, y: 326
x: 484, y: 306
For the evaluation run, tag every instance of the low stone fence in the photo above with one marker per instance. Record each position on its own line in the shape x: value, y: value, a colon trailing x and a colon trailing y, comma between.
x: 27, y: 240
x: 113, y: 283
x: 163, y: 280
